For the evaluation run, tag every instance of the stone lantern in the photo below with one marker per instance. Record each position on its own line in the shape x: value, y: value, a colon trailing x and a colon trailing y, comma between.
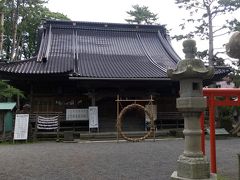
x: 190, y: 72
x: 233, y: 51
x: 233, y: 46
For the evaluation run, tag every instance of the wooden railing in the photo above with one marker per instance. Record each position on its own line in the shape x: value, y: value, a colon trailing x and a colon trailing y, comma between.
x: 64, y: 125
x: 169, y: 120
x: 165, y: 120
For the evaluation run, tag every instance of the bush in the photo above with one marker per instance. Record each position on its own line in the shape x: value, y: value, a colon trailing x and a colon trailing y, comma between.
x: 226, y: 117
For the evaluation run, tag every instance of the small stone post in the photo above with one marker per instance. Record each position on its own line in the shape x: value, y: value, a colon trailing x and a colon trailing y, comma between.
x: 192, y: 164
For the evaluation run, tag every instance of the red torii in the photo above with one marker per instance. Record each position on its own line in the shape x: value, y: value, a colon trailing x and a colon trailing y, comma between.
x: 211, y: 93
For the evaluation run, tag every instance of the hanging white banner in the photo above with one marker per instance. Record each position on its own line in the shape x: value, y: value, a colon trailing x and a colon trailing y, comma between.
x: 152, y: 109
x: 93, y: 116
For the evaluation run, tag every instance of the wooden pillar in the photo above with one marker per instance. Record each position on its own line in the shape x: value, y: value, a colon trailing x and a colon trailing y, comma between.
x: 31, y: 98
x: 117, y: 117
x: 212, y: 135
x: 93, y: 99
x: 92, y: 96
x: 18, y: 102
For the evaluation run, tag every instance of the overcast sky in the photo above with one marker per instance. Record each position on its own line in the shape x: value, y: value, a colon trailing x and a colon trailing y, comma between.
x: 115, y: 11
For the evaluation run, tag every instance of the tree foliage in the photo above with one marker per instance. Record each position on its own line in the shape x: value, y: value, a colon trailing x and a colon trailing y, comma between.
x: 235, y: 25
x: 7, y: 91
x: 21, y: 22
x: 141, y: 15
x: 203, y: 14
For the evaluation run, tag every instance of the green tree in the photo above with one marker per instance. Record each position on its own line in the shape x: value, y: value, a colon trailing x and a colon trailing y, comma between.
x: 141, y: 15
x: 203, y: 14
x: 235, y: 25
x: 21, y: 23
x: 7, y: 91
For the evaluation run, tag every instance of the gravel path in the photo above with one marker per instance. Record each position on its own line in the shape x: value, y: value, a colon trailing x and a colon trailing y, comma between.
x: 105, y: 161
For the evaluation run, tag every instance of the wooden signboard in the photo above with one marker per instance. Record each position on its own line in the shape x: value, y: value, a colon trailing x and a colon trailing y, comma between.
x: 77, y: 114
x: 21, y: 127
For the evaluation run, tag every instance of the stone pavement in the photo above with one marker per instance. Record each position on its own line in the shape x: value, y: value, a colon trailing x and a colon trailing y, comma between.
x: 105, y: 160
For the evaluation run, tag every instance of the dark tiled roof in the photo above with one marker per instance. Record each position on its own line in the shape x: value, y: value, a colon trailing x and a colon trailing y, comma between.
x: 31, y: 66
x: 100, y: 50
x: 219, y: 73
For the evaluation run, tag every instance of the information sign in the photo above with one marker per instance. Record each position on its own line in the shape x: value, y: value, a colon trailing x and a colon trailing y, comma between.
x: 77, y: 114
x: 21, y: 127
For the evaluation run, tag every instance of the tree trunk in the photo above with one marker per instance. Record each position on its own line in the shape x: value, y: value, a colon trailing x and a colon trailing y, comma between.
x: 210, y: 40
x: 2, y: 3
x: 1, y: 33
x: 18, y: 53
x: 14, y: 29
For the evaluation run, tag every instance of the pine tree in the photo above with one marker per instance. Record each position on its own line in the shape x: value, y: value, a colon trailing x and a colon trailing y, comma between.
x: 202, y: 14
x: 141, y: 15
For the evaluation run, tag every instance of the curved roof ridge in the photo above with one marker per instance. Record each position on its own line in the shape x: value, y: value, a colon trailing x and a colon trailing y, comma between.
x: 168, y: 48
x: 103, y: 26
x: 148, y: 55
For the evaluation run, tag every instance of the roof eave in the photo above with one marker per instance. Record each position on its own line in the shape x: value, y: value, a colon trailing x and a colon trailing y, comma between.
x: 120, y: 79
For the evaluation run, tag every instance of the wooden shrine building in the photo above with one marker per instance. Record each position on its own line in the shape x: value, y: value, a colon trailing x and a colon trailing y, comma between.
x: 82, y: 64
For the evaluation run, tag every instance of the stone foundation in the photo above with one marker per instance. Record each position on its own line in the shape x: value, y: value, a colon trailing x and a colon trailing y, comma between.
x: 193, y: 168
x: 176, y: 177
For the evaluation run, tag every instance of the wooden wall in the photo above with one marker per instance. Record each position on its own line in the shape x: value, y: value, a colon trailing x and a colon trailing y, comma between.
x: 56, y: 97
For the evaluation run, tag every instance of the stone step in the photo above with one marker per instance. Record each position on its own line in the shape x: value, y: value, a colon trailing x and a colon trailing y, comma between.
x: 109, y: 135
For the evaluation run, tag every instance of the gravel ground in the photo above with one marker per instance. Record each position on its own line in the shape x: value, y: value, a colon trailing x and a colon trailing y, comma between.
x: 105, y: 160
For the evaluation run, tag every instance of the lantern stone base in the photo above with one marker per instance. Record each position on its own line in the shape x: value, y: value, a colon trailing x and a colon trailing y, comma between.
x: 175, y: 177
x: 192, y: 168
